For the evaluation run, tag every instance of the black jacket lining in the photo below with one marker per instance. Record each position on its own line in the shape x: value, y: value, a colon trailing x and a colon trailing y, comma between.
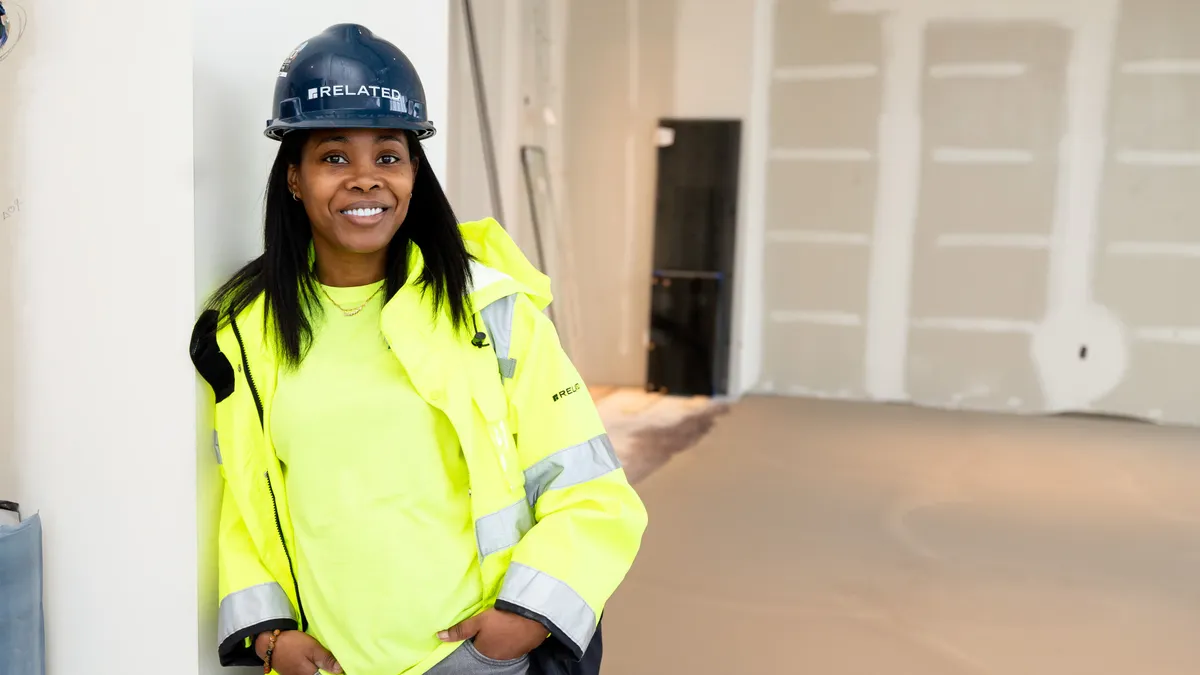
x: 233, y: 651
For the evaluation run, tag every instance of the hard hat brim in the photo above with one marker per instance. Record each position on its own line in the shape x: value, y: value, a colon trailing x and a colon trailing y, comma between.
x: 277, y: 129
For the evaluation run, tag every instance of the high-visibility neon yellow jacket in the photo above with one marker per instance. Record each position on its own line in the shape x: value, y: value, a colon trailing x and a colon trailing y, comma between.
x: 556, y: 522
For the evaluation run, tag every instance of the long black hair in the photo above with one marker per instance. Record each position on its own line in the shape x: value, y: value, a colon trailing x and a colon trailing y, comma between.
x: 285, y: 276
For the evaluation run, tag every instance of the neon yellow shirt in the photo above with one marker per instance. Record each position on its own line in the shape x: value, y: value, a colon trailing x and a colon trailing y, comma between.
x: 371, y: 467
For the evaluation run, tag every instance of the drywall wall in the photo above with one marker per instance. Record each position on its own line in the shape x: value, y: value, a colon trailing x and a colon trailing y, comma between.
x: 97, y: 147
x: 522, y: 47
x: 11, y: 53
x: 591, y: 80
x: 236, y: 67
x: 619, y: 81
x: 713, y: 59
x: 587, y: 82
x: 984, y: 204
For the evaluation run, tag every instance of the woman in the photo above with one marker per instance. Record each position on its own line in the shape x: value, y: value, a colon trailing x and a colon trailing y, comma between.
x: 415, y: 479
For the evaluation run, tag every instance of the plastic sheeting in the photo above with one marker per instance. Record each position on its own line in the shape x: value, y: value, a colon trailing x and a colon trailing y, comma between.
x: 22, y: 627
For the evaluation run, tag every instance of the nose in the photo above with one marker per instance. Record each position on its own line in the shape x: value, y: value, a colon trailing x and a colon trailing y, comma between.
x: 367, y: 178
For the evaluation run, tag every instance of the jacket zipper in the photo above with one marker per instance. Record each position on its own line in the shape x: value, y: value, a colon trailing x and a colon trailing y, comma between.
x: 270, y: 488
x: 249, y: 378
x: 279, y: 529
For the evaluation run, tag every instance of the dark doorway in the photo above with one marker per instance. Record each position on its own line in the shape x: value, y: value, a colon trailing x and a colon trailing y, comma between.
x: 691, y: 288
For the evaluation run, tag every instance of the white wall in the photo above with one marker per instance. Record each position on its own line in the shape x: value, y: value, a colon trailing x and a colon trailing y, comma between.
x: 235, y: 72
x: 99, y: 152
x: 10, y: 190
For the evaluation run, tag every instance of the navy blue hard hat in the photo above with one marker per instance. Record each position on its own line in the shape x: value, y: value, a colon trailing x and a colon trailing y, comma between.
x: 348, y: 78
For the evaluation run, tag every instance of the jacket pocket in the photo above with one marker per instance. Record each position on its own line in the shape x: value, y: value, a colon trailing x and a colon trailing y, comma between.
x: 517, y: 666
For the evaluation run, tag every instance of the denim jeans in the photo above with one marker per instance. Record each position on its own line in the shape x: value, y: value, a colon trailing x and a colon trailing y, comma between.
x: 466, y: 660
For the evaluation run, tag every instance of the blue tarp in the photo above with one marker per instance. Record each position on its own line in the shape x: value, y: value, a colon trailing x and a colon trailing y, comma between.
x: 22, y: 628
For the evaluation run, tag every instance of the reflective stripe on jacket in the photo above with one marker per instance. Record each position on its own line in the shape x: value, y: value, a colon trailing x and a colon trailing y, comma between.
x: 556, y: 522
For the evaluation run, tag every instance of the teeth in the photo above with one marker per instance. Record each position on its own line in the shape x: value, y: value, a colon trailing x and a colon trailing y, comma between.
x: 365, y: 213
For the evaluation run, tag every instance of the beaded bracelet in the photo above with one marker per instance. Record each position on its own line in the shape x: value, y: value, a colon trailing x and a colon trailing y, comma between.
x: 270, y: 652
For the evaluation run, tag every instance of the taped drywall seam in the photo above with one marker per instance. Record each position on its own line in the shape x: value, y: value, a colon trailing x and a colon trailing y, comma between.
x: 629, y: 278
x: 1081, y: 162
x: 751, y: 245
x: 1082, y: 153
x: 781, y: 154
x: 1160, y: 158
x: 1179, y: 335
x: 975, y: 324
x: 899, y: 170
x: 996, y: 11
x: 1162, y: 67
x: 825, y: 237
x: 949, y: 155
x: 983, y: 240
x: 1158, y: 249
x: 826, y: 72
x: 816, y: 317
x: 977, y: 70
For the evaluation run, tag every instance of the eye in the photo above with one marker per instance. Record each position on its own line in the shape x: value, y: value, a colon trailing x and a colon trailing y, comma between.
x: 390, y: 159
x: 336, y: 159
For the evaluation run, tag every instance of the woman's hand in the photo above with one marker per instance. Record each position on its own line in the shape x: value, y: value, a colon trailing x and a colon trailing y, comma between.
x: 498, y: 635
x: 297, y: 653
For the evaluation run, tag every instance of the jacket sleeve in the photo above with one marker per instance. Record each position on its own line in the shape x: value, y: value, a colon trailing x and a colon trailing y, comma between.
x: 252, y: 602
x: 589, y: 521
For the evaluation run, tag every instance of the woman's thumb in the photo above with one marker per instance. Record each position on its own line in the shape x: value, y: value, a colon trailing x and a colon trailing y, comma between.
x: 325, y: 661
x: 463, y: 631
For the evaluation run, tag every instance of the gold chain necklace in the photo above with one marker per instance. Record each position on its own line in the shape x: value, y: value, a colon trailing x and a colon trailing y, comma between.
x: 354, y: 310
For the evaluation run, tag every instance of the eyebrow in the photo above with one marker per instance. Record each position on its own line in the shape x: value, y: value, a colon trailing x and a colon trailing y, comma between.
x: 381, y: 138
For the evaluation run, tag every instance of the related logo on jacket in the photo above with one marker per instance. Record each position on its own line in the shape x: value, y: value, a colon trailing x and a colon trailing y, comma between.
x: 568, y: 391
x: 397, y: 101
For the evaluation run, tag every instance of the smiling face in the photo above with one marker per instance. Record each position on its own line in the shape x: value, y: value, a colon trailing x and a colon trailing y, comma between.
x: 356, y: 185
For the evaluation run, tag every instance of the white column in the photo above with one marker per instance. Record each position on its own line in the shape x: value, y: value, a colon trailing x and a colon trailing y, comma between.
x: 105, y: 416
x: 897, y: 195
x: 131, y: 214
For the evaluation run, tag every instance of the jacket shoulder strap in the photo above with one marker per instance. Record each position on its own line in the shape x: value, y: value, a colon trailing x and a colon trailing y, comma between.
x: 206, y: 355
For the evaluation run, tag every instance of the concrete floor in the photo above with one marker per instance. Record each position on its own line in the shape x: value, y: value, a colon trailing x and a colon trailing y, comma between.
x: 836, y: 538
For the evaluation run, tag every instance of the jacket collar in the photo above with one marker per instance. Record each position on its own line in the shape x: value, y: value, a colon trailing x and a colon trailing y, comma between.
x: 498, y: 269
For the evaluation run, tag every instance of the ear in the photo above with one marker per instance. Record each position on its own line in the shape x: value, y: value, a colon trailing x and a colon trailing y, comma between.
x: 293, y: 179
x: 410, y: 140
